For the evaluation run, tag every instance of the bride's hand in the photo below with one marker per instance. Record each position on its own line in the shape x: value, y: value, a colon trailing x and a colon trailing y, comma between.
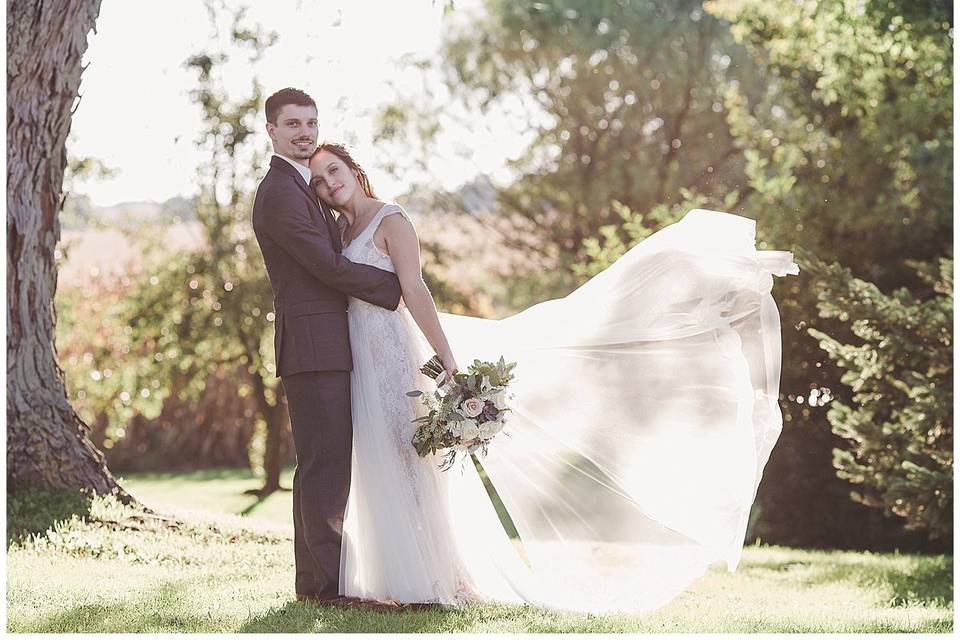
x: 449, y: 365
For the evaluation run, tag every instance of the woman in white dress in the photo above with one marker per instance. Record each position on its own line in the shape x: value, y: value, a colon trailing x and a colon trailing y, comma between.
x: 646, y: 411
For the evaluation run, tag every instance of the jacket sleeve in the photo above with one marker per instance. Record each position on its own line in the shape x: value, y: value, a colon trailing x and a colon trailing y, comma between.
x: 292, y: 227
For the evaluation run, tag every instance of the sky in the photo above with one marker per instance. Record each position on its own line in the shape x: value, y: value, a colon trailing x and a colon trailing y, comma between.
x: 135, y: 113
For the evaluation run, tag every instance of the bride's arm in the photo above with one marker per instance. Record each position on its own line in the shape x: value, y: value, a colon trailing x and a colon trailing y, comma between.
x: 403, y: 247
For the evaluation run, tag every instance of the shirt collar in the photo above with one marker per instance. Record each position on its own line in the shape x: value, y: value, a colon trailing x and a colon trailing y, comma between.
x: 304, y: 171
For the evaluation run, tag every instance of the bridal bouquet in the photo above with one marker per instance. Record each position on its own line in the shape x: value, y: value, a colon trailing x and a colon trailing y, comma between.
x: 465, y: 413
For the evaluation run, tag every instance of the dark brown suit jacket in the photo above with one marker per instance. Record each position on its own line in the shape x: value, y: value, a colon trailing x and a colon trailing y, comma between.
x: 300, y: 243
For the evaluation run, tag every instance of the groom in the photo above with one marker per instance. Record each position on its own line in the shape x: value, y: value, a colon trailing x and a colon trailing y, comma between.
x: 301, y: 248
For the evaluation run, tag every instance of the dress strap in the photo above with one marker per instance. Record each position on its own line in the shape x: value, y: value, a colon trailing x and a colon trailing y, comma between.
x: 391, y: 208
x: 374, y: 224
x: 388, y: 209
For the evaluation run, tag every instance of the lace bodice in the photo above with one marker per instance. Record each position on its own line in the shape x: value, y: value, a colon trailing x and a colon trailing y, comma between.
x: 362, y: 249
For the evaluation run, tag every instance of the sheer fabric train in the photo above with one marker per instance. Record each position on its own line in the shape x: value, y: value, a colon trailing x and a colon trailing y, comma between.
x: 646, y: 411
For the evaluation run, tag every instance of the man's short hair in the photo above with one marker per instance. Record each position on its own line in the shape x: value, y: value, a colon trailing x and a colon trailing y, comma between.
x: 284, y: 97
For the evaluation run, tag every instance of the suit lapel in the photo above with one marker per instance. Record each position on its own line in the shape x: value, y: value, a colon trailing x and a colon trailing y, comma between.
x: 323, y: 212
x: 317, y: 208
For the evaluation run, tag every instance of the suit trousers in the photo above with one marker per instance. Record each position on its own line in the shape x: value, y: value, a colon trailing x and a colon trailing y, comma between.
x: 319, y: 407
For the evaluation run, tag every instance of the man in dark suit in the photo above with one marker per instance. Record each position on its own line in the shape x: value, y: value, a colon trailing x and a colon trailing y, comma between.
x: 301, y: 247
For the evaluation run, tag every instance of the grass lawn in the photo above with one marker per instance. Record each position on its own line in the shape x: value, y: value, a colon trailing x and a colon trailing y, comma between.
x: 214, y: 490
x: 226, y: 565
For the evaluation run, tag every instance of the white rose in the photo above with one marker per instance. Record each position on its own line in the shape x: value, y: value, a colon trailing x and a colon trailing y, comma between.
x: 470, y: 429
x: 490, y: 429
x: 472, y: 407
x: 499, y: 398
x: 455, y: 428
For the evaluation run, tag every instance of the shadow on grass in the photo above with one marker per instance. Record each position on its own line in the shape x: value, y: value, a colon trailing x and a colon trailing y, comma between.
x: 155, y: 610
x: 33, y: 511
x: 260, y: 499
x: 943, y: 624
x: 198, y: 475
x: 293, y: 617
x: 928, y: 580
x: 162, y: 610
x: 301, y: 616
x: 173, y: 481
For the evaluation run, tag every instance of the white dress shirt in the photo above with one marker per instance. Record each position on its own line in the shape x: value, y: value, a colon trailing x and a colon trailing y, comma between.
x: 304, y: 171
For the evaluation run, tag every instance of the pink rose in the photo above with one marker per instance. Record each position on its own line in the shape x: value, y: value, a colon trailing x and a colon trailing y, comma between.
x: 472, y: 407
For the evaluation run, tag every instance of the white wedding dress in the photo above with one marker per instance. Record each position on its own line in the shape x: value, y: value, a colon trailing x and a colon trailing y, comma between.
x: 646, y: 411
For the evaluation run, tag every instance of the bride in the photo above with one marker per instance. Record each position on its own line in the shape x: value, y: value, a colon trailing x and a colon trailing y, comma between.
x: 646, y: 411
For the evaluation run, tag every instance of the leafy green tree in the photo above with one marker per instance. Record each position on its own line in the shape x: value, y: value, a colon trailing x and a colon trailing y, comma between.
x: 207, y: 311
x: 624, y: 103
x: 101, y: 363
x: 858, y: 117
x: 848, y: 154
x: 900, y: 427
x: 604, y: 250
x: 135, y: 411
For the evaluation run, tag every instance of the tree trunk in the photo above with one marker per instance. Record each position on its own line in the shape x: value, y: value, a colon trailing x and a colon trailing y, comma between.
x: 271, y: 464
x: 47, y: 444
x: 275, y: 415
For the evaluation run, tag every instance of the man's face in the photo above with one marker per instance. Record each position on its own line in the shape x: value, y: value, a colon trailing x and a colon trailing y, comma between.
x: 295, y: 134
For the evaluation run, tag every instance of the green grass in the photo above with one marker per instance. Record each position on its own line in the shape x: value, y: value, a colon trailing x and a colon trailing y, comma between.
x: 80, y: 565
x: 214, y: 490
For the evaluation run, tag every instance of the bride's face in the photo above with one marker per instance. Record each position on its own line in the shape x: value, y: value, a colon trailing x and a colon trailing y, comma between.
x: 332, y: 179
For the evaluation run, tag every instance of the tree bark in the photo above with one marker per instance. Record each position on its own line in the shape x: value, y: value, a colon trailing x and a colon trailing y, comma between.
x: 47, y: 444
x: 271, y: 463
x: 275, y: 415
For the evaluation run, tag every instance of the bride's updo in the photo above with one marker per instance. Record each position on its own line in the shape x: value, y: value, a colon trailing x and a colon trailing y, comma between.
x: 340, y: 150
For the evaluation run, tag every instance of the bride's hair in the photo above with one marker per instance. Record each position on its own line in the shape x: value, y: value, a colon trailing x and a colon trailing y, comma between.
x: 341, y: 151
